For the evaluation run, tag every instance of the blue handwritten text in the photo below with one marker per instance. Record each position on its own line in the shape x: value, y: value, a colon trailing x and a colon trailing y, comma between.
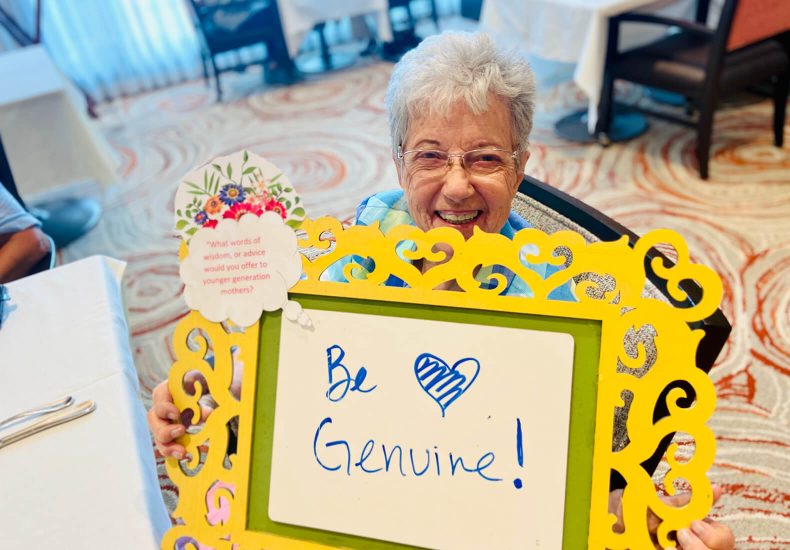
x: 338, y: 455
x: 338, y: 388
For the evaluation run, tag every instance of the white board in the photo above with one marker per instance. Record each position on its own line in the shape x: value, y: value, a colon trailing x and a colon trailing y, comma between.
x: 524, y: 377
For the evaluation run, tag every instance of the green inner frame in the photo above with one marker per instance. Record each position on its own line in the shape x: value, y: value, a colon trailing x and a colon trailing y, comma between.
x: 587, y: 338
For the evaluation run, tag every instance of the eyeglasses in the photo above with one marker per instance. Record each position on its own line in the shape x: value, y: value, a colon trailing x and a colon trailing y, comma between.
x: 4, y: 297
x: 477, y: 162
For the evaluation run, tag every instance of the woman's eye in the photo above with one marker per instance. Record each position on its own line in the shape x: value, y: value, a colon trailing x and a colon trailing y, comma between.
x: 487, y: 159
x: 429, y: 155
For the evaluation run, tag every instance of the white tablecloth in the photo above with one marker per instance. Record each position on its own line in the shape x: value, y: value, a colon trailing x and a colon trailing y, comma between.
x: 300, y: 16
x: 90, y: 483
x: 573, y: 31
x: 47, y: 135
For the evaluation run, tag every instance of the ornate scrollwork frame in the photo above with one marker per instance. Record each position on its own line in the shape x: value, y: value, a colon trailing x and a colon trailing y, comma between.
x: 212, y: 491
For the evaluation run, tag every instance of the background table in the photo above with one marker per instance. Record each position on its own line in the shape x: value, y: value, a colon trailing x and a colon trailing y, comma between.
x: 90, y: 483
x: 45, y: 127
x: 573, y: 31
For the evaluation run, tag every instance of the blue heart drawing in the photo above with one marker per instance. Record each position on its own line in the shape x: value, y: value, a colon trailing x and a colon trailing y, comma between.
x: 442, y: 383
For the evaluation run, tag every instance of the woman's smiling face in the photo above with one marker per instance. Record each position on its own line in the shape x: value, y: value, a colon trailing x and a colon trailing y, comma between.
x: 454, y: 197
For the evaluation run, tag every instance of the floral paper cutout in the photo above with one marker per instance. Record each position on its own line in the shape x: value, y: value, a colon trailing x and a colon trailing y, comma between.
x: 231, y: 186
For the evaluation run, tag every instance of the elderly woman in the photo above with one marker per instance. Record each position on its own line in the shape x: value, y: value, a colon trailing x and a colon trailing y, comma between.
x: 460, y: 115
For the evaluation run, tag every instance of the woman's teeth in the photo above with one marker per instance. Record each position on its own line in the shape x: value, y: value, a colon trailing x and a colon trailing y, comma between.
x: 458, y: 218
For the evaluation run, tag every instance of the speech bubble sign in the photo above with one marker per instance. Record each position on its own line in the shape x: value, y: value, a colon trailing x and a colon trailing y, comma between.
x: 240, y: 268
x: 237, y: 213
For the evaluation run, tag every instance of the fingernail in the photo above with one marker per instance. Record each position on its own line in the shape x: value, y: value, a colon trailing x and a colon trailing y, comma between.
x: 178, y: 455
x: 175, y: 432
x: 698, y: 527
x: 173, y: 416
x: 684, y: 537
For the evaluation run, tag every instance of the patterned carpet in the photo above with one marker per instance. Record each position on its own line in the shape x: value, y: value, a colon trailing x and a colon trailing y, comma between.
x: 329, y: 135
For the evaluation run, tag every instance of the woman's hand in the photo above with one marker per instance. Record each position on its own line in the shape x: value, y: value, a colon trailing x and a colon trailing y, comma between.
x: 706, y: 534
x: 164, y: 418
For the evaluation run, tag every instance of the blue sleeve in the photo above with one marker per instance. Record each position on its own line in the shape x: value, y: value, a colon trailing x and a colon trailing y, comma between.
x: 360, y: 209
x: 334, y: 272
x: 13, y: 217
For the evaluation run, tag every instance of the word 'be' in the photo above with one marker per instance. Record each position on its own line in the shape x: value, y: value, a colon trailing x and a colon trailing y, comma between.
x: 345, y: 383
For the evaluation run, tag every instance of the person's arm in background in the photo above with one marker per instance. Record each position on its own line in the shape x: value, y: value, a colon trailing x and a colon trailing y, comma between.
x: 20, y: 251
x: 22, y: 243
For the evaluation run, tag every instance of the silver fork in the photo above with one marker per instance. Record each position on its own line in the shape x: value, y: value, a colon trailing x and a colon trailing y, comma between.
x: 60, y: 416
x: 37, y: 411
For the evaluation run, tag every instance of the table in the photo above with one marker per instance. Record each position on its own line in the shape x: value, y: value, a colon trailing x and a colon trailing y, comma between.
x: 574, y: 31
x: 46, y: 131
x: 90, y: 483
x: 298, y: 17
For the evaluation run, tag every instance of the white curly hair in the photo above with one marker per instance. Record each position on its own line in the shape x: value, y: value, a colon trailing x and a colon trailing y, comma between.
x: 452, y: 65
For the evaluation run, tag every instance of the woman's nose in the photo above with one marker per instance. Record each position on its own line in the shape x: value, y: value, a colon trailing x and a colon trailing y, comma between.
x: 457, y: 186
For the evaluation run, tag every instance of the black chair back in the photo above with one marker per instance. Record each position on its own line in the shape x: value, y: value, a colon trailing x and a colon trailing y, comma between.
x: 550, y: 210
x: 575, y: 214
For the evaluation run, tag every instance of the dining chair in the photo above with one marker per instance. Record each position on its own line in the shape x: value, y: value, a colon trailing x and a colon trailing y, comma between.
x: 326, y: 60
x: 411, y: 20
x: 700, y: 63
x: 552, y: 210
x: 229, y: 25
x: 404, y: 32
x: 470, y: 9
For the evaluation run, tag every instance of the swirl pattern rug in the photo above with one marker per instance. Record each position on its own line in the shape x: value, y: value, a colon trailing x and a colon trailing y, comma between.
x: 329, y: 134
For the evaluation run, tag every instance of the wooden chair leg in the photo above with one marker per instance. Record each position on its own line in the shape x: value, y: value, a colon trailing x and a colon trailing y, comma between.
x: 704, y: 130
x: 216, y: 79
x: 326, y: 56
x: 412, y: 22
x: 205, y: 69
x: 605, y: 108
x: 780, y: 104
x: 435, y: 14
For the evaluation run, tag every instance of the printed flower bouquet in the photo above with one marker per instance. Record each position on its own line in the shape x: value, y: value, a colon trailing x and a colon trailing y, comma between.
x: 232, y: 186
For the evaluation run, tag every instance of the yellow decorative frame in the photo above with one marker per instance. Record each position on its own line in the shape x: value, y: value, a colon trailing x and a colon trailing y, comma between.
x: 620, y: 309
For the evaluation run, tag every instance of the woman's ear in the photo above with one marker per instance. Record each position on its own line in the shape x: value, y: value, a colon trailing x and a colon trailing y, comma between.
x: 522, y: 165
x: 522, y: 161
x: 399, y: 168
